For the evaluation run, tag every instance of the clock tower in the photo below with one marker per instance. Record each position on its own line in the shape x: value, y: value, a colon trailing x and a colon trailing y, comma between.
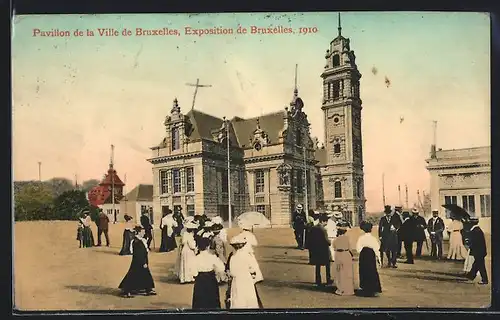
x: 342, y: 173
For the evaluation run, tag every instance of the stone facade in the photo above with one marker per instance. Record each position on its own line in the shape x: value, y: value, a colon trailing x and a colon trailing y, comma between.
x: 274, y: 162
x: 462, y: 177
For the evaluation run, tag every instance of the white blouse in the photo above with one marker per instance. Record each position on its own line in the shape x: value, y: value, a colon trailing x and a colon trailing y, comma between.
x: 169, y: 222
x: 368, y: 241
x: 206, y: 262
x: 223, y: 235
x: 86, y: 221
x: 331, y: 228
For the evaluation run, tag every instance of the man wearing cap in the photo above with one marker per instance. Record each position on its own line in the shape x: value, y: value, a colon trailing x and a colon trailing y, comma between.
x: 478, y: 251
x: 319, y: 249
x: 420, y: 226
x: 435, y: 227
x: 387, y: 231
x: 299, y: 225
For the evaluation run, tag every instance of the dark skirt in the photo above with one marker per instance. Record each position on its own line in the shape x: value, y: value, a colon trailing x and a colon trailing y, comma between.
x: 167, y: 243
x: 137, y: 278
x: 206, y: 291
x: 128, y: 236
x: 79, y: 234
x: 369, y: 280
x: 88, y: 237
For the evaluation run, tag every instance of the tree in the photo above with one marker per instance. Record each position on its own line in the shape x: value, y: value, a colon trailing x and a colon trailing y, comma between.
x: 60, y: 185
x: 32, y: 201
x: 70, y: 204
x: 89, y: 184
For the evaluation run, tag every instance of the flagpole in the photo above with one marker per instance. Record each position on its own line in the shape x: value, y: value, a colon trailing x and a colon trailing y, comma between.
x: 230, y: 220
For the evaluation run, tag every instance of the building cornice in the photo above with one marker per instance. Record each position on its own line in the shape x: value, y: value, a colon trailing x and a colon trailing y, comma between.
x: 457, y: 166
x: 181, y: 156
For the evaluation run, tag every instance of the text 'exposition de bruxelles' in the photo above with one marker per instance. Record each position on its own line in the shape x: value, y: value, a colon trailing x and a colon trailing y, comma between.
x: 111, y: 32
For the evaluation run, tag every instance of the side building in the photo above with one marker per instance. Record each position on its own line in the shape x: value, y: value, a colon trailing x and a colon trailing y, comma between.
x: 462, y: 177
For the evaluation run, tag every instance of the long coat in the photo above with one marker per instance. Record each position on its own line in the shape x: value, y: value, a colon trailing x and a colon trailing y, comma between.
x: 389, y: 239
x: 437, y: 227
x: 407, y: 230
x: 420, y: 226
x: 318, y: 246
x: 477, y: 243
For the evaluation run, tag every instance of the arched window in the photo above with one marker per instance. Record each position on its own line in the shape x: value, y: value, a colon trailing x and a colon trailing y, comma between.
x: 358, y: 188
x: 336, y: 60
x: 336, y: 147
x: 338, y: 189
x: 175, y: 139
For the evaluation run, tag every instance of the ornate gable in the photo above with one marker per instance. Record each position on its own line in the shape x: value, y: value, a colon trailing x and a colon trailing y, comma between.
x: 260, y: 138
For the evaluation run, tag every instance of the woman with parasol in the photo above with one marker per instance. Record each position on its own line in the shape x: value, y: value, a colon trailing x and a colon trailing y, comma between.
x: 138, y: 277
x: 241, y: 292
x: 128, y: 236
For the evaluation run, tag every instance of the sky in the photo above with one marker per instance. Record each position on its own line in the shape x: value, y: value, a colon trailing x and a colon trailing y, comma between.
x: 75, y: 96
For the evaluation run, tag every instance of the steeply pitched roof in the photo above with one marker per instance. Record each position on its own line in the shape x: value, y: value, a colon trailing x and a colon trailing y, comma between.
x: 111, y: 178
x: 241, y: 130
x: 142, y: 192
x: 98, y: 195
x: 271, y: 123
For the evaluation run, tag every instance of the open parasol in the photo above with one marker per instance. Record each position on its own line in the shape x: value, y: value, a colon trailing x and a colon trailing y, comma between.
x: 457, y: 211
x: 253, y: 219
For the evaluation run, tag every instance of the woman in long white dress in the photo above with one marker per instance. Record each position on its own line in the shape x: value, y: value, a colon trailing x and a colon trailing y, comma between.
x: 187, y: 262
x: 457, y: 249
x: 242, y: 291
x: 251, y: 242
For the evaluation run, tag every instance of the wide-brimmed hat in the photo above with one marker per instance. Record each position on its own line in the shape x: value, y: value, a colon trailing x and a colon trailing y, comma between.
x: 191, y: 225
x: 387, y: 209
x: 217, y: 220
x: 474, y: 220
x: 217, y: 227
x: 299, y: 206
x: 337, y: 214
x: 414, y: 210
x: 238, y: 239
x: 127, y: 217
x: 208, y: 224
x: 138, y: 228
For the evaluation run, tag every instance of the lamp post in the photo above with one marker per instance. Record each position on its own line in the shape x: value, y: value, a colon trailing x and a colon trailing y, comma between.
x: 230, y: 218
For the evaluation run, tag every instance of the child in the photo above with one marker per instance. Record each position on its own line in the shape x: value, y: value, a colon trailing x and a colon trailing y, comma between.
x: 79, y: 233
x: 369, y: 255
x: 207, y: 267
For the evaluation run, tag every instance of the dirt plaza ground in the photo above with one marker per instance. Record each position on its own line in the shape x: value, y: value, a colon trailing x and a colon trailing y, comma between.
x: 52, y: 273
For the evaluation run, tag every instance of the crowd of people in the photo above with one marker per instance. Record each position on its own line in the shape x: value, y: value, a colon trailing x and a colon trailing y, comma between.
x: 203, y: 258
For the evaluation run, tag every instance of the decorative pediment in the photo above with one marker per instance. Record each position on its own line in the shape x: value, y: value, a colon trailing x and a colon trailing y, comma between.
x: 260, y: 138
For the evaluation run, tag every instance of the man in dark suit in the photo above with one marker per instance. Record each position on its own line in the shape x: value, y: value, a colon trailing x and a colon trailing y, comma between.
x: 478, y: 251
x: 299, y: 225
x: 319, y: 249
x: 420, y: 226
x: 146, y: 224
x: 102, y: 227
x: 435, y: 227
x: 387, y: 232
x: 407, y: 235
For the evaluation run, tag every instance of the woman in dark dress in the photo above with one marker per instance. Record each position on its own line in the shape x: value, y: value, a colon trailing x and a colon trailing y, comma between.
x: 208, y: 266
x: 87, y: 235
x: 369, y: 256
x: 128, y: 236
x: 138, y: 277
x: 168, y: 227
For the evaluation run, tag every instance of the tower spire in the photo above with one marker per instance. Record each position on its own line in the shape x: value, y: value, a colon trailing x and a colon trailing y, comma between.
x: 340, y: 27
